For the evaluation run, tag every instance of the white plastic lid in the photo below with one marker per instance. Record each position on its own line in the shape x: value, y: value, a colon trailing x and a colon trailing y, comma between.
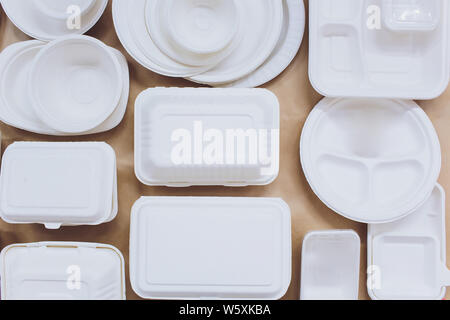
x: 200, y: 136
x: 62, y: 271
x: 210, y: 248
x: 370, y: 160
x: 58, y: 184
x: 330, y: 265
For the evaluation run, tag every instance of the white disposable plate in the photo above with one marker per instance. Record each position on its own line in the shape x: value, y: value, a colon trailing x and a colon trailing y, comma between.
x: 58, y: 183
x: 130, y: 25
x: 157, y: 16
x: 407, y: 258
x: 62, y: 271
x: 330, y: 265
x: 15, y: 108
x: 210, y: 248
x: 31, y: 20
x: 262, y: 30
x: 75, y: 83
x: 58, y: 9
x: 204, y: 136
x: 353, y: 54
x: 285, y: 51
x: 370, y: 160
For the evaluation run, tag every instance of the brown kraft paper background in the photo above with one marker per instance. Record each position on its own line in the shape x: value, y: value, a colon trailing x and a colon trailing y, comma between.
x: 296, y: 97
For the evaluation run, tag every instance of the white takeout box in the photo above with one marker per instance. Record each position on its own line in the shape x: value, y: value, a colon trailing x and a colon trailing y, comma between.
x: 55, y: 184
x: 407, y: 258
x: 210, y: 248
x: 187, y: 136
x: 62, y: 271
x: 330, y: 265
x: 355, y: 53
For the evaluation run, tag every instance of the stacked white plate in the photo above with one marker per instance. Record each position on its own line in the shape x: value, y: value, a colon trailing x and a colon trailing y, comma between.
x: 214, y: 42
x: 49, y: 19
x: 74, y: 85
x: 62, y: 271
x: 58, y: 183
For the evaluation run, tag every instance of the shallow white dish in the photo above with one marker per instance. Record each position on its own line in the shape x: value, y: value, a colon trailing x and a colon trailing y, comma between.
x: 210, y: 248
x: 285, y: 51
x: 330, y: 265
x: 58, y: 9
x: 350, y: 59
x: 58, y: 184
x: 75, y: 92
x: 407, y: 258
x: 262, y: 30
x: 203, y: 136
x: 15, y: 108
x: 62, y: 271
x: 370, y: 160
x: 31, y: 20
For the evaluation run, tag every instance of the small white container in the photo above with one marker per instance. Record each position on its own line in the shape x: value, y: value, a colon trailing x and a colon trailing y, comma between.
x: 62, y: 271
x: 407, y: 259
x: 330, y: 265
x: 38, y: 21
x: 354, y: 54
x: 210, y: 248
x: 75, y: 84
x: 58, y: 184
x: 370, y: 160
x: 199, y: 136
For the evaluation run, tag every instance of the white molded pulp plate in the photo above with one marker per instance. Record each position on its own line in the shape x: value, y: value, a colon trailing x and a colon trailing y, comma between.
x: 353, y: 53
x: 403, y: 256
x: 330, y: 265
x: 370, y: 160
x: 202, y: 136
x: 212, y: 248
x: 58, y: 183
x: 62, y: 271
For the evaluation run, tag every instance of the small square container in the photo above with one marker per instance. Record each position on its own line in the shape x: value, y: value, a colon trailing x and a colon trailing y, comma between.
x: 412, y: 15
x: 330, y: 265
x: 198, y: 136
x: 55, y: 184
x: 62, y: 271
x: 210, y: 248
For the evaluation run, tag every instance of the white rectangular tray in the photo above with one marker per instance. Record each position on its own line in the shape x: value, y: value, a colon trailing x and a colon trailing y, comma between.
x: 210, y: 248
x: 62, y: 183
x: 379, y: 48
x: 62, y: 271
x: 202, y: 136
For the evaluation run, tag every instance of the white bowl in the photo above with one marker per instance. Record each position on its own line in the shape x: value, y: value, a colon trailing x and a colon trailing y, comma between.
x: 75, y: 84
x: 202, y: 27
x: 59, y: 9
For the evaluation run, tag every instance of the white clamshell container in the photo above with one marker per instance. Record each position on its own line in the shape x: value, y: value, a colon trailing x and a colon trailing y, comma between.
x: 370, y: 160
x: 407, y: 258
x: 47, y: 20
x: 200, y: 136
x: 62, y: 271
x: 382, y: 48
x: 57, y: 184
x: 210, y: 248
x: 330, y: 265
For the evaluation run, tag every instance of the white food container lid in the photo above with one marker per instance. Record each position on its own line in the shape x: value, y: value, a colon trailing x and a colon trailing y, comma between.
x: 200, y: 136
x: 210, y: 248
x: 407, y: 259
x: 330, y: 265
x: 62, y: 271
x: 58, y: 184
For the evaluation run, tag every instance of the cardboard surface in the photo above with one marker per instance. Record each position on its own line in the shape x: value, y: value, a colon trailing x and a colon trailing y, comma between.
x: 297, y: 98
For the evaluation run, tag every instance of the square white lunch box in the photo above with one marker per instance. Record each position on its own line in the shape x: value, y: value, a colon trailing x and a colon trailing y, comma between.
x: 210, y: 248
x: 58, y: 183
x: 330, y: 265
x: 203, y: 136
x: 379, y: 48
x: 407, y: 259
x: 62, y: 271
